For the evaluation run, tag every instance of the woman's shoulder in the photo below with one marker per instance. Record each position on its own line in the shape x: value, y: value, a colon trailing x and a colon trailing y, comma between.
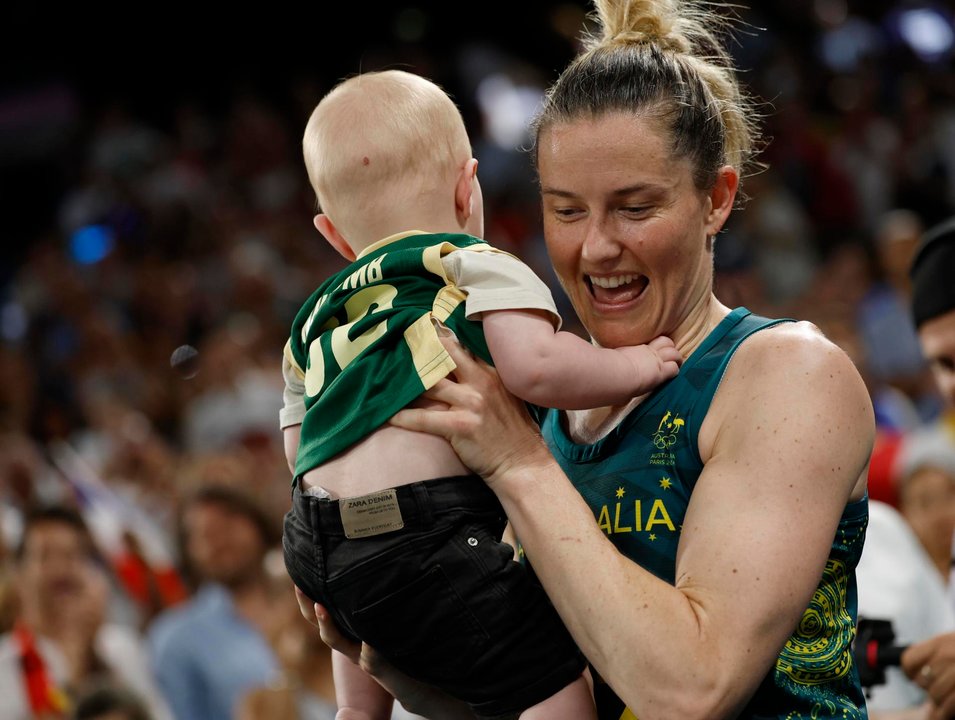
x: 793, y: 347
x: 792, y: 391
x: 794, y: 367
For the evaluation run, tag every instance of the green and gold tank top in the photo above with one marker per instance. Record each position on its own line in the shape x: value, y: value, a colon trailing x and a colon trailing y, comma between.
x: 638, y: 480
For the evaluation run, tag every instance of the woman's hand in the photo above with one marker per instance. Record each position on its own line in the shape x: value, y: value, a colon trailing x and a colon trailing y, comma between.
x: 488, y: 427
x: 331, y: 635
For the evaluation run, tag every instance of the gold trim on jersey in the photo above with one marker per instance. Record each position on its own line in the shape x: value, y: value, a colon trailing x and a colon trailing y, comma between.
x: 446, y: 301
x: 431, y: 258
x: 431, y: 360
x: 291, y: 359
x: 390, y: 239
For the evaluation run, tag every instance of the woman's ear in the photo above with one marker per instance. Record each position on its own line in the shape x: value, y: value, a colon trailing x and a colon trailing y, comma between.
x: 327, y: 228
x: 721, y: 198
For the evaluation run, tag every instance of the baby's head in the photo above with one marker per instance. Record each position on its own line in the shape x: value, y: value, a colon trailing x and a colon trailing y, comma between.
x: 388, y: 152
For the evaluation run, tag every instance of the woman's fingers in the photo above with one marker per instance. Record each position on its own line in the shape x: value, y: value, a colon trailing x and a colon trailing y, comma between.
x: 451, y: 394
x: 466, y: 362
x: 318, y: 616
x: 487, y: 426
x: 306, y: 606
x: 424, y: 420
x: 333, y: 637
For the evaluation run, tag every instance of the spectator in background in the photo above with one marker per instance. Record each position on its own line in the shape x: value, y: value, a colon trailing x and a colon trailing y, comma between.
x: 61, y: 641
x: 305, y: 689
x: 212, y: 649
x: 932, y: 663
x: 237, y: 398
x: 897, y: 582
x: 926, y: 486
x: 109, y: 702
x: 885, y: 324
x: 933, y: 304
x: 904, y: 569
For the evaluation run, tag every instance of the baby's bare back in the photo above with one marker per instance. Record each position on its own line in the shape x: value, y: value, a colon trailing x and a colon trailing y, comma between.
x: 387, y: 458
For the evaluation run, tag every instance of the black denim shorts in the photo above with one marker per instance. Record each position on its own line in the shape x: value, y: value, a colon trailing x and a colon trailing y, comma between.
x: 442, y: 599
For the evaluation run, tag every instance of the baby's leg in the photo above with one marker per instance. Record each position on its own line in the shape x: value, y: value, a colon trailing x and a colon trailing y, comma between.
x: 574, y: 702
x: 358, y: 696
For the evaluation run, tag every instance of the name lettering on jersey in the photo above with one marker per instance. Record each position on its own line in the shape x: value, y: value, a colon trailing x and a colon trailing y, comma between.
x: 362, y: 276
x: 365, y: 274
x: 636, y: 517
x: 665, y: 437
x: 311, y: 317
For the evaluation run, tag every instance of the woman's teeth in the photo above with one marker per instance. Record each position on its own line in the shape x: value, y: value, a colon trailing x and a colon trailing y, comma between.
x: 611, y: 282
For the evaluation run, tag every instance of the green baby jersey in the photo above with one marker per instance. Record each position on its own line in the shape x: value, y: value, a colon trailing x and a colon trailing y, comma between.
x: 638, y: 481
x: 365, y: 343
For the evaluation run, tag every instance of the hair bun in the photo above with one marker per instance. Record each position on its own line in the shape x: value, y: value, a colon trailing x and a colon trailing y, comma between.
x: 672, y: 42
x: 637, y: 22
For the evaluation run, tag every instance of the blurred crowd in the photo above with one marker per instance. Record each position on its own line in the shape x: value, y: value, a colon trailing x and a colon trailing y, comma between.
x: 141, y: 501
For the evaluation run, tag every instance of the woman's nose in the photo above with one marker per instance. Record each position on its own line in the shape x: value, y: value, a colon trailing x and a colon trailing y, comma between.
x: 599, y: 244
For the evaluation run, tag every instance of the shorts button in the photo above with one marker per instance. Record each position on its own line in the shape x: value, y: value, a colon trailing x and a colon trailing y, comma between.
x: 472, y: 541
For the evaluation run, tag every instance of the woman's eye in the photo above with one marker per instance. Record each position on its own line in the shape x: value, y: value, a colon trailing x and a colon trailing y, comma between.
x: 566, y: 212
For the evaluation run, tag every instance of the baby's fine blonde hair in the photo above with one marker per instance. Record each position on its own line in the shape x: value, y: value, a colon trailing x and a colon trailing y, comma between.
x: 378, y: 139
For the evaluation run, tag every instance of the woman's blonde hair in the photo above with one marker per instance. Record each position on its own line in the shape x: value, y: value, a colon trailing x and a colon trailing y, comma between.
x: 665, y: 59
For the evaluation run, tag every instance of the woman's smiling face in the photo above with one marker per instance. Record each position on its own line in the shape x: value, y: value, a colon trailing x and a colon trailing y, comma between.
x: 625, y: 226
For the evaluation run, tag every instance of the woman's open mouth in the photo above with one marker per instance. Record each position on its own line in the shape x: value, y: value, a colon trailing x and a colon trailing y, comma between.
x: 616, y: 289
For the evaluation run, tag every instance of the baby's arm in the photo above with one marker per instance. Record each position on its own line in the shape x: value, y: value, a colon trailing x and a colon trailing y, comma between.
x: 291, y: 436
x: 561, y: 370
x: 357, y: 694
x: 293, y: 407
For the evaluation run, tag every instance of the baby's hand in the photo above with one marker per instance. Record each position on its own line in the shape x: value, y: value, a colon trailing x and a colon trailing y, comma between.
x: 653, y: 363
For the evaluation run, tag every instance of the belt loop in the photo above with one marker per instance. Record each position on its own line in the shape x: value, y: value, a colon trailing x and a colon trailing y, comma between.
x: 314, y: 514
x: 423, y: 502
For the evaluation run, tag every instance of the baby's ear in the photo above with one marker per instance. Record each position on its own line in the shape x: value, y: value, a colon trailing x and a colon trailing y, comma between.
x: 327, y: 228
x: 464, y: 189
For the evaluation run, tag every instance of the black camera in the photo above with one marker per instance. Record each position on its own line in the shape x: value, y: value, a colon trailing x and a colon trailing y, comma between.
x: 874, y: 650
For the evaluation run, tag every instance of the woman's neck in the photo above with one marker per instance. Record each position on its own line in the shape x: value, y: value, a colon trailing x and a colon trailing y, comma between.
x: 694, y: 329
x: 588, y: 426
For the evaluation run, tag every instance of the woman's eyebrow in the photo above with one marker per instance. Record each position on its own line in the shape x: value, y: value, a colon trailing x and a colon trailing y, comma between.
x: 557, y: 192
x: 630, y: 189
